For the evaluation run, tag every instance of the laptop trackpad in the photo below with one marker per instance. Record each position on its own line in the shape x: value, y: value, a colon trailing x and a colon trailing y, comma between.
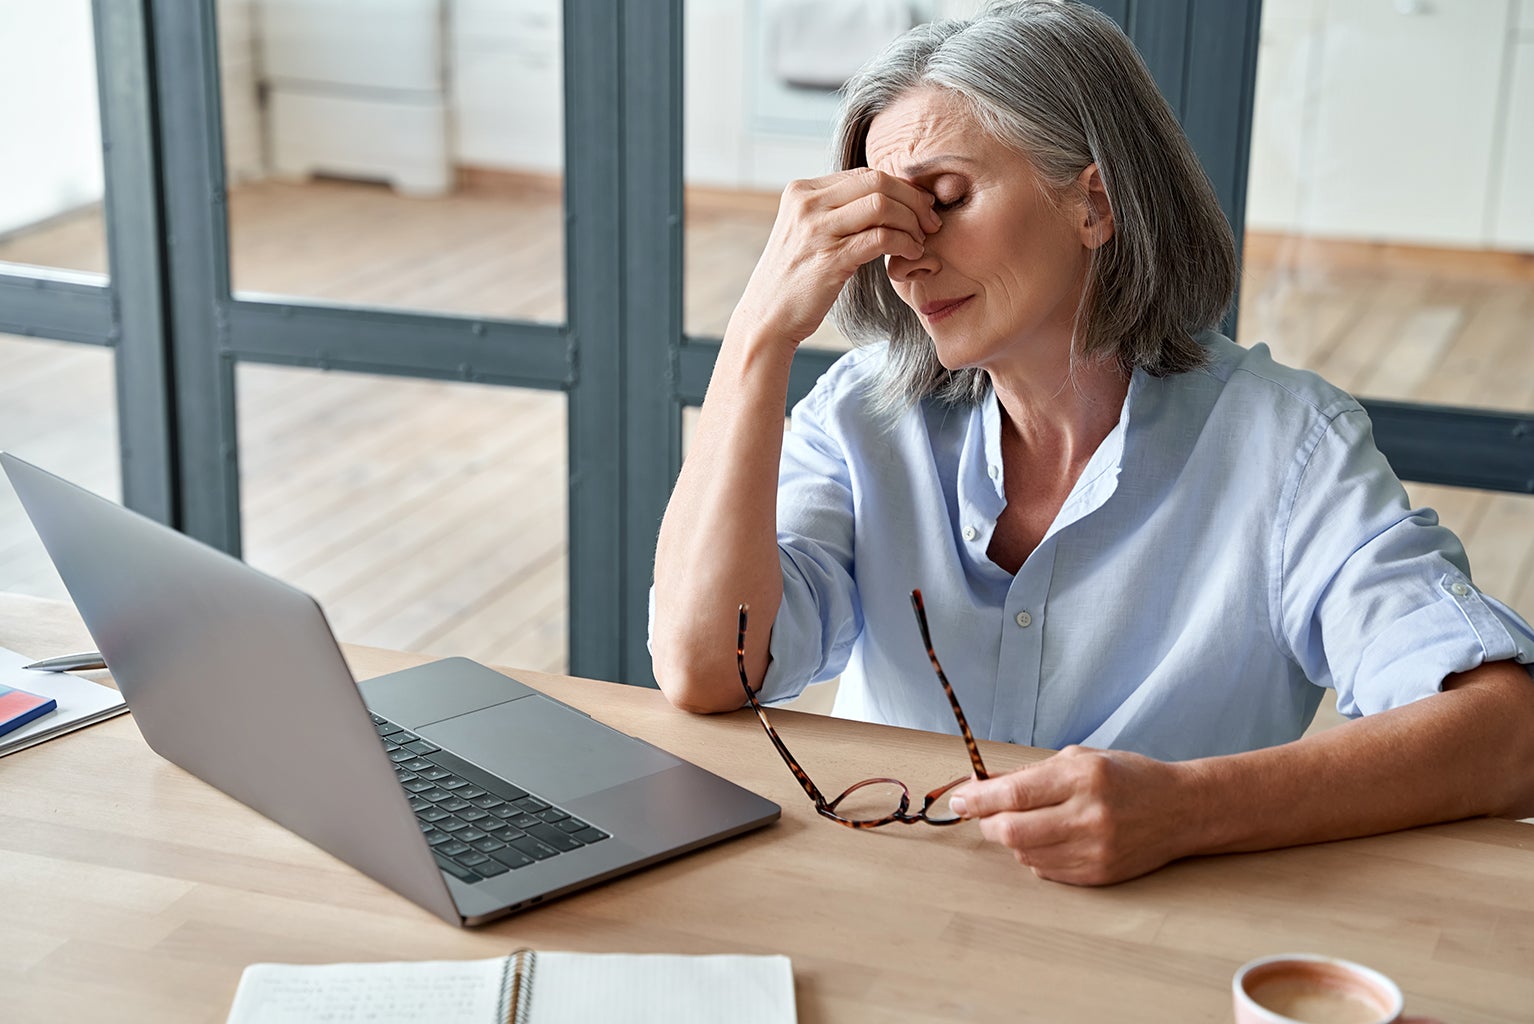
x: 543, y: 746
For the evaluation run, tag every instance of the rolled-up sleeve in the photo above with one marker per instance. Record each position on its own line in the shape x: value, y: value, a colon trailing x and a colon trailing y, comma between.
x: 819, y: 617
x: 1375, y: 598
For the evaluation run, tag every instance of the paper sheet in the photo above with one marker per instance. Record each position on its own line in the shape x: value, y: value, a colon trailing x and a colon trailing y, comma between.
x: 439, y: 991
x: 81, y: 702
x: 576, y: 988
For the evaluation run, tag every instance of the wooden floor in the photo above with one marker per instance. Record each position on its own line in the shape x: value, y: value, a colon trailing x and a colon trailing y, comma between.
x: 431, y: 516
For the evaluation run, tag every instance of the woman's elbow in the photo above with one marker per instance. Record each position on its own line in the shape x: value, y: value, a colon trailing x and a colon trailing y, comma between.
x: 699, y: 689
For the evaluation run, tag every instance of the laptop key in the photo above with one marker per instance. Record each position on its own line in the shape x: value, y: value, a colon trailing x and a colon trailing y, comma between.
x: 523, y: 820
x: 475, y: 814
x: 432, y: 813
x: 531, y: 804
x: 490, y: 868
x: 471, y: 860
x: 418, y: 805
x: 416, y: 762
x: 422, y: 746
x: 436, y: 796
x: 453, y: 849
x: 470, y: 834
x: 533, y: 848
x: 457, y: 870
x: 512, y: 858
x: 452, y: 825
x: 552, y: 815
x: 418, y: 785
x: 487, y: 844
x: 401, y: 755
x: 478, y: 776
x: 436, y: 837
x: 434, y: 773
x: 471, y: 792
x: 561, y: 841
x: 452, y: 803
x: 453, y: 783
x: 485, y: 800
x: 571, y: 825
x: 591, y: 835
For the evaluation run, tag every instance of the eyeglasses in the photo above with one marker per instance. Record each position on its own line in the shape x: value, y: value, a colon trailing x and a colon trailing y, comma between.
x: 874, y: 802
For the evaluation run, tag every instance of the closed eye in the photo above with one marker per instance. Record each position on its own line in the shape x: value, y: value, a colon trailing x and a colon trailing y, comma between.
x: 943, y: 206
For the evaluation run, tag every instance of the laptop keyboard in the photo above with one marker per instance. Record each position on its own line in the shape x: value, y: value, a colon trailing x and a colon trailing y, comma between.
x: 477, y: 825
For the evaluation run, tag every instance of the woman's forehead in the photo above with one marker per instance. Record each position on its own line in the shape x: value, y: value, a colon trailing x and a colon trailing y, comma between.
x: 918, y: 126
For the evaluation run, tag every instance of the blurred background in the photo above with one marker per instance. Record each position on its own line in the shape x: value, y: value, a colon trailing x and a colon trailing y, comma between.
x: 409, y: 155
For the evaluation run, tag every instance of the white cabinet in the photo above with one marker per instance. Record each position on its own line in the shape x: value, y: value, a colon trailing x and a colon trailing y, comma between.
x: 1392, y: 121
x: 507, y: 78
x: 1512, y: 221
x: 357, y: 87
x: 1406, y: 120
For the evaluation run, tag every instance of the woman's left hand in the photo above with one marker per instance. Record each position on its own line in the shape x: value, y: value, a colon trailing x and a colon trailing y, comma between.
x: 1088, y: 817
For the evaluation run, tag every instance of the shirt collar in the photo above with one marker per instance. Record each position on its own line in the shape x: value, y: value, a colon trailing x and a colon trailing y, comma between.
x: 1098, y: 480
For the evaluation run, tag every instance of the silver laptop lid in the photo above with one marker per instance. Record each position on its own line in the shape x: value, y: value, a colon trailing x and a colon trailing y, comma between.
x: 236, y: 677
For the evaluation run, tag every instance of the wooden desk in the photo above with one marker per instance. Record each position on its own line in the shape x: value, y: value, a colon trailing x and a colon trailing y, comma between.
x: 130, y: 891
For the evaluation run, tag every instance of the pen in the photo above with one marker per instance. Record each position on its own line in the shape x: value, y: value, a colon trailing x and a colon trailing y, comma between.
x: 82, y: 662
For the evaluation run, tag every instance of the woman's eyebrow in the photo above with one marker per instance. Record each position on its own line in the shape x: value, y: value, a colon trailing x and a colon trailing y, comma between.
x: 931, y: 164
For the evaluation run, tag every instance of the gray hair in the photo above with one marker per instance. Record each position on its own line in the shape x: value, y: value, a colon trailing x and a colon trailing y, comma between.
x: 1060, y: 83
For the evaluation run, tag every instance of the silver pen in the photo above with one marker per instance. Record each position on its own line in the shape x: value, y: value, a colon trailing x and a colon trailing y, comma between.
x: 85, y: 661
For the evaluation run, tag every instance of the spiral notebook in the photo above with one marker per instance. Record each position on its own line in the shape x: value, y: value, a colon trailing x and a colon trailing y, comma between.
x: 526, y: 987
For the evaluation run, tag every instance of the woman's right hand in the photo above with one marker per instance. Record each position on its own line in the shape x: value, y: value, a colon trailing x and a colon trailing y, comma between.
x: 827, y: 228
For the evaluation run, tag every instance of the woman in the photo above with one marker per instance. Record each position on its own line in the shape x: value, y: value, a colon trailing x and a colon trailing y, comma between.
x: 1137, y: 541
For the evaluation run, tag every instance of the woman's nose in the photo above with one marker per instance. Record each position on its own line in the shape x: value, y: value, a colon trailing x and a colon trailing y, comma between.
x: 903, y: 268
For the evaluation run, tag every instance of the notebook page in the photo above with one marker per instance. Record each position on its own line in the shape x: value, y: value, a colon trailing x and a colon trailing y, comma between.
x: 440, y: 991
x: 578, y: 988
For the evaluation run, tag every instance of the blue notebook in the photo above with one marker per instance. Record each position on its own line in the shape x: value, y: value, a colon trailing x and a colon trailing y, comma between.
x: 18, y: 707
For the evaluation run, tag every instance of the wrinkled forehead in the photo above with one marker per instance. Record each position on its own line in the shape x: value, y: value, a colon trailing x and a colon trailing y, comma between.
x: 918, y: 124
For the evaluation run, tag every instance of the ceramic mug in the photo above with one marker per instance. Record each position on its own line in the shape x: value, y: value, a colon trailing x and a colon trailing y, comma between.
x: 1304, y: 988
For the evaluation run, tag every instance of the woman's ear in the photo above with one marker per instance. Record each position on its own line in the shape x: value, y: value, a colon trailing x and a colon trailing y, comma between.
x: 1097, y: 214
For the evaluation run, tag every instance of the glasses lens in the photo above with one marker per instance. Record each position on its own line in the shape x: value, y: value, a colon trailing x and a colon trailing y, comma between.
x: 938, y: 811
x: 872, y: 800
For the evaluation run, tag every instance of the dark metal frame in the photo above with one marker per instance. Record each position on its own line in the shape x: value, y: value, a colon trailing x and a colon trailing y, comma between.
x: 622, y: 357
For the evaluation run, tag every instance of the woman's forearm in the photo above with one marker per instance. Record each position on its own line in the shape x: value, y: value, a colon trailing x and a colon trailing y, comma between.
x: 1466, y: 752
x: 718, y: 540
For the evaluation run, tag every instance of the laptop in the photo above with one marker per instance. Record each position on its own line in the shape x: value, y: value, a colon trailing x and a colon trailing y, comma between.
x: 459, y: 787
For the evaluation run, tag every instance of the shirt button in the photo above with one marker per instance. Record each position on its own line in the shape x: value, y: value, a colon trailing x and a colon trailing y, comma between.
x: 995, y: 472
x: 1459, y: 590
x: 1024, y: 619
x: 970, y: 533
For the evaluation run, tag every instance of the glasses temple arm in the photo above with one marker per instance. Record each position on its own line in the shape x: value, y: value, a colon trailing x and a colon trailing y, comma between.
x: 953, y: 700
x: 810, y: 789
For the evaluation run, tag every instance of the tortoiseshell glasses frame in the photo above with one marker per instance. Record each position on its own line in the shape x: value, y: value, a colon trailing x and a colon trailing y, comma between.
x: 902, y: 812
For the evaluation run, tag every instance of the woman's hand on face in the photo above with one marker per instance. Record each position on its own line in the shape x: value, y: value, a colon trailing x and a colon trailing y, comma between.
x: 827, y: 228
x: 1087, y: 817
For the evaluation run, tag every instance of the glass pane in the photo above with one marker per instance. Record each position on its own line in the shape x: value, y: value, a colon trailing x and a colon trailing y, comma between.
x: 51, y: 180
x: 384, y: 154
x: 58, y: 410
x: 423, y: 515
x: 1388, y: 219
x: 760, y: 108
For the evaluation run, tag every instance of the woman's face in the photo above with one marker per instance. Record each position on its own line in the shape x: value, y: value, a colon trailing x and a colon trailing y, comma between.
x: 1000, y: 282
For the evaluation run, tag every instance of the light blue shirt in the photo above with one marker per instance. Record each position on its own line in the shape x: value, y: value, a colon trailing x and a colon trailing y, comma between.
x: 1235, y: 544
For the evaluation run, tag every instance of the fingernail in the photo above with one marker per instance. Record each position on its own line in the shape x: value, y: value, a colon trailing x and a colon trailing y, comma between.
x: 959, y: 806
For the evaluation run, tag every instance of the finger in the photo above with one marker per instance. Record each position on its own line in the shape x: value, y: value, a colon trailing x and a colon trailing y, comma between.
x: 1029, y: 831
x: 878, y: 242
x: 1037, y: 785
x: 875, y: 210
x: 848, y: 186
